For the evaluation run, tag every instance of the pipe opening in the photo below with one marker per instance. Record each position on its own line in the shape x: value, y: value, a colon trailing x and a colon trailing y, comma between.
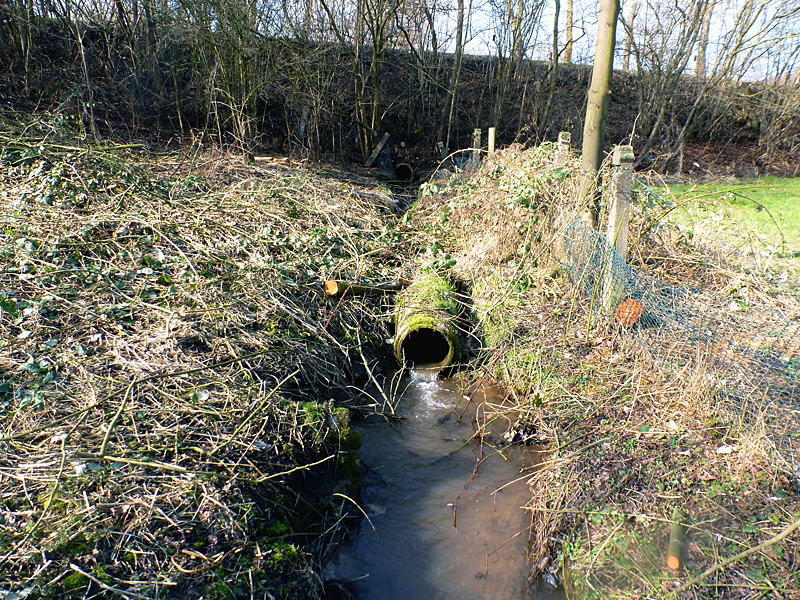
x: 426, y: 347
x: 404, y: 172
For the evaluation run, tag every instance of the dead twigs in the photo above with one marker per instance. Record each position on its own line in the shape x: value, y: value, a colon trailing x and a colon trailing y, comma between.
x: 786, y: 532
x: 164, y: 358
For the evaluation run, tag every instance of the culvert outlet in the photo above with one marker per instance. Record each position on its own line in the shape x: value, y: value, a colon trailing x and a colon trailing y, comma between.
x: 404, y: 172
x: 425, y: 331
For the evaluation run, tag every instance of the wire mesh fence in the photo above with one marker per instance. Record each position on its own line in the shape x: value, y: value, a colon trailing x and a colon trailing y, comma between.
x: 751, y: 356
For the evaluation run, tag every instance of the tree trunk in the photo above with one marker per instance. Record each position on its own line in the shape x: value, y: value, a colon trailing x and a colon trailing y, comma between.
x: 364, y: 136
x: 26, y: 35
x: 568, y: 33
x: 551, y: 94
x: 626, y: 57
x: 516, y: 32
x: 449, y: 105
x: 702, y: 44
x: 308, y: 18
x: 597, y: 109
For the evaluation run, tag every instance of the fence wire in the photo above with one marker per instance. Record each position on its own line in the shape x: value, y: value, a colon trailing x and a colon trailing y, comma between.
x: 752, y: 356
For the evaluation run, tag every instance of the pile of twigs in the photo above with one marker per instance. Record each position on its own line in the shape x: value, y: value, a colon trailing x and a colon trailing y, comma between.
x: 168, y: 359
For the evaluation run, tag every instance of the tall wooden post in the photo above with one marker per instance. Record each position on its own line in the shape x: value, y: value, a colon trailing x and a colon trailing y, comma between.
x: 492, y: 133
x: 619, y: 217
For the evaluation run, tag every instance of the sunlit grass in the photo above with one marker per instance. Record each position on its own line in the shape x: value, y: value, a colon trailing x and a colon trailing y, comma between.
x: 766, y: 210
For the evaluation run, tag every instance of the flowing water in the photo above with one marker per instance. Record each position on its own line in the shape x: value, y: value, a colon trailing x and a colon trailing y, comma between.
x: 444, y: 522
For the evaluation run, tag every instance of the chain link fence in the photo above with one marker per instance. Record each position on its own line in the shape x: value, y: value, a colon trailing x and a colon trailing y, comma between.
x: 751, y: 356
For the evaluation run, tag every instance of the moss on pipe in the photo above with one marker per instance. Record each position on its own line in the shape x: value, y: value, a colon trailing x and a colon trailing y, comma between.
x: 425, y: 328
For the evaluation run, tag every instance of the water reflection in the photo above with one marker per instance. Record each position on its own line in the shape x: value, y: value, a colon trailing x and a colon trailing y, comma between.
x: 441, y: 529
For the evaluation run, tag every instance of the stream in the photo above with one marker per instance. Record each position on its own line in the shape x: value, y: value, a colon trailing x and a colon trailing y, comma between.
x: 440, y: 528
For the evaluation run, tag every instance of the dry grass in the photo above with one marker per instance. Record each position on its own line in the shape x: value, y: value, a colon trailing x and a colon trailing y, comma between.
x: 630, y: 439
x: 168, y: 362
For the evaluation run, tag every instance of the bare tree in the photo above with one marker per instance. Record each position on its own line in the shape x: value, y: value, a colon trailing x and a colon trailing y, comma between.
x: 569, y: 15
x: 455, y: 74
x: 662, y: 44
x: 597, y: 107
x: 702, y: 44
x: 544, y: 119
x: 629, y: 29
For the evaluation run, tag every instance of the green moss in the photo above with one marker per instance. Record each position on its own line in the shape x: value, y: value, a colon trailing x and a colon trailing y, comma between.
x: 349, y: 442
x: 282, y: 553
x: 74, y: 582
x: 349, y: 462
x: 312, y: 416
x: 331, y: 430
x: 429, y: 303
x: 102, y: 576
x: 342, y: 417
x: 278, y: 530
x: 59, y: 505
x: 431, y: 289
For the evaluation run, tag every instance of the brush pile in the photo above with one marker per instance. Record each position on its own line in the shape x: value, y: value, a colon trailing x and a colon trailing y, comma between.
x: 168, y: 365
x: 632, y: 437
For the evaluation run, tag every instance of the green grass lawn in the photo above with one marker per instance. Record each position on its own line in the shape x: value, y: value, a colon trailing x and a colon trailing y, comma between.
x: 759, y: 219
x: 766, y: 210
x: 759, y: 215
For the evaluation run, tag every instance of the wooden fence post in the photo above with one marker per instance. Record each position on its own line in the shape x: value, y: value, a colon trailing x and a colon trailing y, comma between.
x: 492, y: 133
x: 373, y: 157
x: 619, y: 217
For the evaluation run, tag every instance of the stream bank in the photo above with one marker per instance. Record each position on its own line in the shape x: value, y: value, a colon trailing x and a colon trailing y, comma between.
x: 631, y: 440
x: 173, y: 381
x: 175, y: 387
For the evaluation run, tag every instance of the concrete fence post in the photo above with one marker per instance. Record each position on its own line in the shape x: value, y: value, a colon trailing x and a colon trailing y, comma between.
x: 564, y: 142
x: 476, y: 147
x: 619, y: 217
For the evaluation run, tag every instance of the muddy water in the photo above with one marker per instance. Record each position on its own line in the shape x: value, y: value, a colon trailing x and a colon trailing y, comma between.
x: 439, y: 525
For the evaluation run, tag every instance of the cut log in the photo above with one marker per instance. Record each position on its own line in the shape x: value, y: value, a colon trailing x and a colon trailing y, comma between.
x: 337, y: 289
